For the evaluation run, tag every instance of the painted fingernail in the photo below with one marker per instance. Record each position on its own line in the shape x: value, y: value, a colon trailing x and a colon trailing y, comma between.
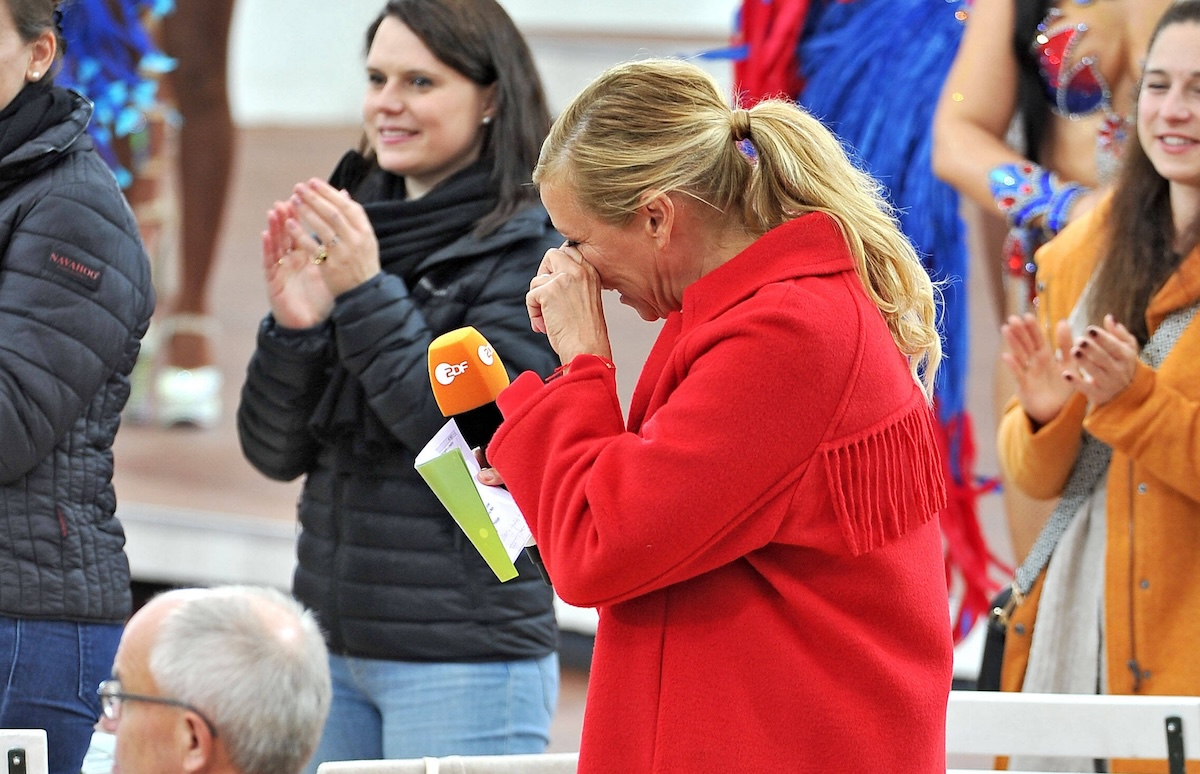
x: 1093, y: 332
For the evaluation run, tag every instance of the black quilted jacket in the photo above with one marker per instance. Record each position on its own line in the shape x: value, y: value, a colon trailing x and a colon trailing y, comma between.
x: 75, y: 299
x: 386, y: 569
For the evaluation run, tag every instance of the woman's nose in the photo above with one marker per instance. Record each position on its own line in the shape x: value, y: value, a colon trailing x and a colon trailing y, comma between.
x: 1176, y: 105
x: 390, y: 100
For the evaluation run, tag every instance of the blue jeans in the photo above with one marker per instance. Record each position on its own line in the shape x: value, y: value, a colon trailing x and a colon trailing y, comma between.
x: 407, y: 709
x: 52, y: 669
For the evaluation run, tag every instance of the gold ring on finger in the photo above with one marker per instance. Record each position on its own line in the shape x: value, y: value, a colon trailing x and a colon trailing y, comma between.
x: 320, y: 256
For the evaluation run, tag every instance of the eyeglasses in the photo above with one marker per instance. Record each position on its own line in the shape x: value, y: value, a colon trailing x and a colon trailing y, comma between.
x: 111, y: 699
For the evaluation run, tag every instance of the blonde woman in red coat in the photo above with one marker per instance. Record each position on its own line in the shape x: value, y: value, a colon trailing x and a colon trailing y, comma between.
x: 759, y: 535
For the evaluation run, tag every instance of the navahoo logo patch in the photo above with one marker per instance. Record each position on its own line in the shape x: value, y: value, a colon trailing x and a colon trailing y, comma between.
x: 77, y: 270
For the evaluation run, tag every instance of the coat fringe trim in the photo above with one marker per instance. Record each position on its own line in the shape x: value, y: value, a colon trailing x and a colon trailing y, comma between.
x: 887, y: 482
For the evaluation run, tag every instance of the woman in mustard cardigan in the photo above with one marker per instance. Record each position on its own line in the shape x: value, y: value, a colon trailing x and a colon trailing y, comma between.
x: 1115, y: 607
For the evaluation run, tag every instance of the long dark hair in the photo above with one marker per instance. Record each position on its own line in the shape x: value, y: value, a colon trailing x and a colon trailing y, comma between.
x: 479, y: 40
x: 1031, y: 91
x: 1142, y: 250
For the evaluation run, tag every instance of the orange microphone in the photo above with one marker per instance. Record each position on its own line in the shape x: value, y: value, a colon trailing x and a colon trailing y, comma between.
x: 466, y: 375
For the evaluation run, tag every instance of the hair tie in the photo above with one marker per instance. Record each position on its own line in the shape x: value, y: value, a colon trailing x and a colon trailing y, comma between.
x: 741, y: 124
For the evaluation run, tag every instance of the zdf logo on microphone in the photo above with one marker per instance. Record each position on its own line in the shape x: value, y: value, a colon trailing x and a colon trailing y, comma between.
x: 445, y: 373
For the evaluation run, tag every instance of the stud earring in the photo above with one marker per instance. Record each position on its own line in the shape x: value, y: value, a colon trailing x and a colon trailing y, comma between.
x: 487, y: 120
x: 35, y: 75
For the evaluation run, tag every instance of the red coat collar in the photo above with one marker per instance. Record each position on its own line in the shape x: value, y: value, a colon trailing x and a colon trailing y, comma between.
x: 810, y: 245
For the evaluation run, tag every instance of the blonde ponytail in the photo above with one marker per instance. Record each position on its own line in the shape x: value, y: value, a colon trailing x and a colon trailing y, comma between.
x: 662, y: 125
x: 801, y: 167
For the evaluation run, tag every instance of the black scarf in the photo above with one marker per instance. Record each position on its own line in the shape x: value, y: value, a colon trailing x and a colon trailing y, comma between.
x: 411, y: 231
x: 36, y: 108
x: 408, y: 233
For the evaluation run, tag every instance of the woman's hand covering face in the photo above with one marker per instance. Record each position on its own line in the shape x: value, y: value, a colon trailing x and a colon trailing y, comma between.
x: 564, y: 303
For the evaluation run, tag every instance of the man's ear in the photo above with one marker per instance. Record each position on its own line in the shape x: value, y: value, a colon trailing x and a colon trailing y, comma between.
x: 196, y: 742
x: 659, y: 211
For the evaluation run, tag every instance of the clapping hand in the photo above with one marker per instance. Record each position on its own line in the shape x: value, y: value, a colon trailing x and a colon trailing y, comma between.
x: 1041, y: 389
x: 296, y: 290
x: 318, y: 244
x: 334, y: 228
x: 1101, y: 363
x: 1098, y: 365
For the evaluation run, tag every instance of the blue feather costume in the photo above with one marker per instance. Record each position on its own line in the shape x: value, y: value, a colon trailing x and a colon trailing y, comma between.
x: 111, y: 59
x: 872, y: 72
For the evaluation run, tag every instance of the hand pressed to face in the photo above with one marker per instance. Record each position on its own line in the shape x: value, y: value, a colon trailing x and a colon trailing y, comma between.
x: 564, y: 303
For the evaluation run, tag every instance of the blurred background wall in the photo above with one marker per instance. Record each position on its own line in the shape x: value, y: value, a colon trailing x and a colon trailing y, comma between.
x: 299, y: 62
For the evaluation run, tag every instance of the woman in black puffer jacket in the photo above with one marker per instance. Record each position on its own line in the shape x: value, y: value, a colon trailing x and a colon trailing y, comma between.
x: 75, y: 300
x: 433, y: 227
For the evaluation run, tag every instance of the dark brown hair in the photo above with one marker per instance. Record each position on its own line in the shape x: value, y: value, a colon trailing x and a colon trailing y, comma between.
x: 1032, y: 107
x: 479, y: 40
x: 1143, y: 249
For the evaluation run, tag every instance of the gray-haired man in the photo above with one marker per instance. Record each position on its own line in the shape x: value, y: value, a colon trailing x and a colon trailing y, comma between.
x: 228, y: 680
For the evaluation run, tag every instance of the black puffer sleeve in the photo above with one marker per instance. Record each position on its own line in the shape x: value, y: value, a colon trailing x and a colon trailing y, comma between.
x: 74, y: 290
x: 284, y: 381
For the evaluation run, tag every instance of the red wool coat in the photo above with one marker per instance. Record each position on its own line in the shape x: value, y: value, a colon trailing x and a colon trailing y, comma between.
x: 760, y: 538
